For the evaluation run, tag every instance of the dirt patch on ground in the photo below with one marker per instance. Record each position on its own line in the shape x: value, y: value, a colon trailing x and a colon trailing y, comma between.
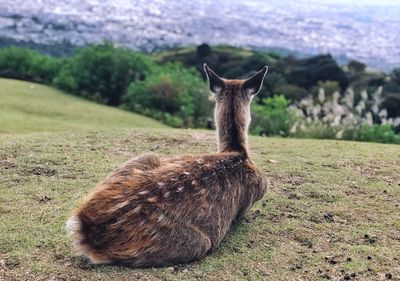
x: 130, y: 146
x: 6, y: 265
x: 322, y: 195
x: 289, y: 179
x: 38, y: 171
x: 287, y: 185
x: 6, y: 162
x: 373, y: 168
x: 204, y: 137
x: 391, y: 180
x: 28, y: 169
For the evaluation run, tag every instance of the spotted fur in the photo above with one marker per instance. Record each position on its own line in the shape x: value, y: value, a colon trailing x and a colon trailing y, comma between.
x: 155, y: 211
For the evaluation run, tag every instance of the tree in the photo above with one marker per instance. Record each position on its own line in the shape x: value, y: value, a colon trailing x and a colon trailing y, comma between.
x: 103, y: 72
x: 307, y: 72
x: 203, y: 50
x: 356, y: 67
x: 25, y: 64
x: 395, y: 75
x: 175, y: 95
x: 291, y: 92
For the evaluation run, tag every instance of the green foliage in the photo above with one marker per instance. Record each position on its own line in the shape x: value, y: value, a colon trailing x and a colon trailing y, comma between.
x: 308, y: 72
x: 395, y: 75
x: 375, y: 133
x: 316, y: 130
x: 24, y: 64
x: 275, y: 79
x: 103, y: 72
x: 330, y: 87
x: 272, y: 117
x: 203, y: 50
x: 392, y: 104
x: 356, y: 67
x: 172, y: 94
x: 291, y: 92
x: 229, y: 62
x: 288, y: 76
x: 255, y: 62
x: 348, y: 118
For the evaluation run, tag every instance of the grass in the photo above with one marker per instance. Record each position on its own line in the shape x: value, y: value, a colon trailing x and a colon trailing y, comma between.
x: 332, y: 211
x: 29, y: 107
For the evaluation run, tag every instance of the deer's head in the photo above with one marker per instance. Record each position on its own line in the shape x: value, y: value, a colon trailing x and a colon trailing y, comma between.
x: 232, y: 109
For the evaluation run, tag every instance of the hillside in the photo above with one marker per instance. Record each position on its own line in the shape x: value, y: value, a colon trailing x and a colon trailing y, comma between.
x: 330, y: 213
x: 30, y: 107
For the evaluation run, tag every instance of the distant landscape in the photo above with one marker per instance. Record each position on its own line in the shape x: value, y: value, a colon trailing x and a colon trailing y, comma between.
x: 363, y: 30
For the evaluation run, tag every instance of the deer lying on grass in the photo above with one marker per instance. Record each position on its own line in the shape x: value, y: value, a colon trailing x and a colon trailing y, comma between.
x: 157, y: 212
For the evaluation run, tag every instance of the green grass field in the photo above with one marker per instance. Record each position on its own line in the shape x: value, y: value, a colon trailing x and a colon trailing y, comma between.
x: 30, y: 107
x: 331, y: 212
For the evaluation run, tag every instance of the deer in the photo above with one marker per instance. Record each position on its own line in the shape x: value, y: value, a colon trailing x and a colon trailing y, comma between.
x: 154, y: 211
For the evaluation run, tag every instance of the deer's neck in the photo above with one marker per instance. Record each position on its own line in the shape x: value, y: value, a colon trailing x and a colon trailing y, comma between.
x: 231, y: 123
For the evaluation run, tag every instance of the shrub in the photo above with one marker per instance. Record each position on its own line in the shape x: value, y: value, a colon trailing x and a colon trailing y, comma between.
x: 307, y: 72
x: 330, y: 87
x: 174, y: 95
x: 375, y: 133
x: 356, y: 67
x: 103, y: 72
x: 345, y: 118
x: 395, y: 75
x: 275, y: 79
x: 203, y: 50
x: 254, y: 63
x: 391, y: 103
x: 24, y: 64
x: 272, y: 117
x: 291, y: 92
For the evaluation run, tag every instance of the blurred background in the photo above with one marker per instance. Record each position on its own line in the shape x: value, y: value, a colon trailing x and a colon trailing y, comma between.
x: 334, y: 66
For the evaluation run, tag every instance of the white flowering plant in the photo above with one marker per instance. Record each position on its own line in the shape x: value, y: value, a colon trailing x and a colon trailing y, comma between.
x: 351, y: 117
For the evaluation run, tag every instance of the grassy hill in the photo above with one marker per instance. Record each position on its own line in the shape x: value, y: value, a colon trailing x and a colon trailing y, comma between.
x: 30, y: 107
x: 332, y: 211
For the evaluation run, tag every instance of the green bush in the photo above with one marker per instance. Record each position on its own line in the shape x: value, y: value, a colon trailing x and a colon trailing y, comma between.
x: 103, y: 72
x: 330, y: 87
x: 25, y: 64
x: 306, y: 73
x: 172, y: 94
x: 317, y: 130
x: 272, y: 117
x: 395, y: 75
x: 291, y: 92
x: 375, y: 133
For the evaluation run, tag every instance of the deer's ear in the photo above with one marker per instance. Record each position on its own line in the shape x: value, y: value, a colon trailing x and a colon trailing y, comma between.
x: 215, y: 82
x: 254, y: 83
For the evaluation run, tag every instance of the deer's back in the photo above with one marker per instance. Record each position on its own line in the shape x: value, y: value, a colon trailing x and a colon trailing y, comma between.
x: 133, y: 208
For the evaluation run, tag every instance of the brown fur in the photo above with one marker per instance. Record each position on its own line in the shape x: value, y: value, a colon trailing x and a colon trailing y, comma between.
x: 156, y: 212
